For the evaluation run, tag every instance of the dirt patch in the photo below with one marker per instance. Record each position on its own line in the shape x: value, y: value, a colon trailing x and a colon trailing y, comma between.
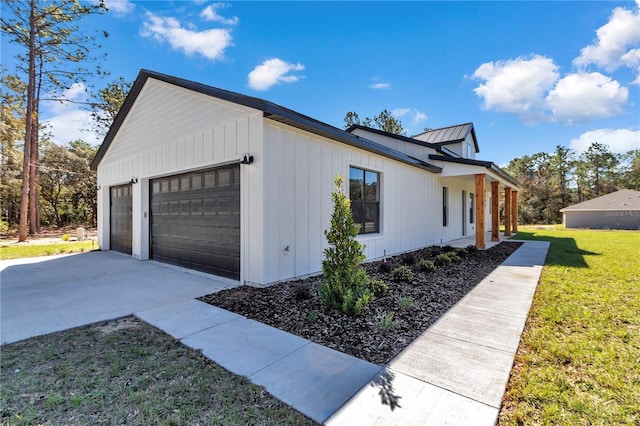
x: 109, y: 327
x: 385, y: 326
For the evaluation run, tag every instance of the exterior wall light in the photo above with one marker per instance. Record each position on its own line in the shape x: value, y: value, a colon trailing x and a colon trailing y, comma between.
x: 133, y: 180
x: 247, y: 159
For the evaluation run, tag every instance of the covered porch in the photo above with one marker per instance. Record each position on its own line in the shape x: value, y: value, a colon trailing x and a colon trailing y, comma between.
x: 487, y: 179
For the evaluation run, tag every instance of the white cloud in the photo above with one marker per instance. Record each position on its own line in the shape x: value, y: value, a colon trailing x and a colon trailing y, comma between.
x: 613, y: 42
x: 617, y: 140
x: 271, y: 72
x: 67, y: 121
x: 380, y: 86
x: 119, y: 7
x: 517, y: 85
x: 209, y: 43
x: 210, y: 13
x: 581, y: 97
x: 414, y: 115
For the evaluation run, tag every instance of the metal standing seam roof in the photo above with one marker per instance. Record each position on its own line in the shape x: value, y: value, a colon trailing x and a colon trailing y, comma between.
x: 449, y: 135
x: 270, y: 110
x: 624, y: 199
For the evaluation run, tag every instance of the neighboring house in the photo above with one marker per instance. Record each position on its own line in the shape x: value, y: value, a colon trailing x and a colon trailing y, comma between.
x: 240, y: 187
x: 618, y: 210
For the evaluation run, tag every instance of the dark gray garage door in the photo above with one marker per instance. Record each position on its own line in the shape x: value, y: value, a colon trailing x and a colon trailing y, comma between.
x: 121, y: 218
x: 195, y: 220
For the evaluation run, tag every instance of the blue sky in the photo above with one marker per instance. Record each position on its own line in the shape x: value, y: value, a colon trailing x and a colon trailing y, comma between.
x: 529, y: 75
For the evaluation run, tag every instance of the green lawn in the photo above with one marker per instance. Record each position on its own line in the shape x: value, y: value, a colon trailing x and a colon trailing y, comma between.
x: 14, y: 251
x: 127, y: 372
x: 579, y: 358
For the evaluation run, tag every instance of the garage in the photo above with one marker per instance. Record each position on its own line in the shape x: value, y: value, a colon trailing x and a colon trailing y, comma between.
x: 121, y: 204
x: 195, y: 220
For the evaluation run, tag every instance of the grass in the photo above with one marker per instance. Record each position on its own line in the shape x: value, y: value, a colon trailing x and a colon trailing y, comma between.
x: 579, y: 358
x: 126, y: 372
x: 15, y: 251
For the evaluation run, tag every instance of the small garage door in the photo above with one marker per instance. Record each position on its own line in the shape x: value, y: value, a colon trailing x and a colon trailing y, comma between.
x: 195, y: 220
x: 121, y: 218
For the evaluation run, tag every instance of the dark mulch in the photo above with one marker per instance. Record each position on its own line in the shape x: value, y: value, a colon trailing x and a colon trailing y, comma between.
x: 295, y: 307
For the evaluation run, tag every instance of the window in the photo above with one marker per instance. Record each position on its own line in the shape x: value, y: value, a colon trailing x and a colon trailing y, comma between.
x: 445, y: 205
x: 469, y: 151
x: 472, y: 205
x: 364, y: 193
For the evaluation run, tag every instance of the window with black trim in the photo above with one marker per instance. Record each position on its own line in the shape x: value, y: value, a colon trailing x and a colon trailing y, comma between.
x: 445, y: 206
x: 364, y: 193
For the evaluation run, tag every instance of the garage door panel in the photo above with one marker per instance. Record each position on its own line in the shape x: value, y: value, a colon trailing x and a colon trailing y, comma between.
x: 196, y: 220
x: 120, y: 218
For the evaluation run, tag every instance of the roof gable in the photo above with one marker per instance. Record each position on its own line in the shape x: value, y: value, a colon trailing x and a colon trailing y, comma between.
x: 624, y: 199
x: 449, y: 135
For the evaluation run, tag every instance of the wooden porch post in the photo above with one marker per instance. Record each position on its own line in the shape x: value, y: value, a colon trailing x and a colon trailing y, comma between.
x: 480, y: 214
x: 495, y: 211
x: 507, y: 212
x: 514, y: 211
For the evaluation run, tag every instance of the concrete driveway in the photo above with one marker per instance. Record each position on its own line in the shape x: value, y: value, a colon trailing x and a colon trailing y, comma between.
x: 48, y: 294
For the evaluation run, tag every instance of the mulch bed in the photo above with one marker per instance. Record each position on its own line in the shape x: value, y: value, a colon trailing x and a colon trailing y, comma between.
x: 294, y: 306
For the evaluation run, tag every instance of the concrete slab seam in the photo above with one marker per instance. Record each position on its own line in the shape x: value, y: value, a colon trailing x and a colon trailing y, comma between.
x: 440, y: 387
x: 308, y: 342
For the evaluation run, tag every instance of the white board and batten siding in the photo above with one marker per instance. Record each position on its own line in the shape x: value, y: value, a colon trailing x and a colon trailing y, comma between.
x: 299, y: 172
x: 171, y: 130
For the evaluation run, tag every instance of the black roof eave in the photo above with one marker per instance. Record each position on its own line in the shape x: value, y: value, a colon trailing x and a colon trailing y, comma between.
x: 269, y: 109
x: 486, y: 164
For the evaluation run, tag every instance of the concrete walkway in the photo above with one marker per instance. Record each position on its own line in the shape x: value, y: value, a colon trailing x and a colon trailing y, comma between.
x: 454, y: 373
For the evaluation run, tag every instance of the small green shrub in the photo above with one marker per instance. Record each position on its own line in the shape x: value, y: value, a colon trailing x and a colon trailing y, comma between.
x: 66, y: 237
x: 386, y: 321
x: 442, y: 259
x: 378, y: 287
x: 313, y: 316
x: 81, y: 249
x: 61, y: 250
x: 48, y: 252
x: 405, y: 303
x: 454, y: 257
x: 427, y: 265
x: 402, y: 273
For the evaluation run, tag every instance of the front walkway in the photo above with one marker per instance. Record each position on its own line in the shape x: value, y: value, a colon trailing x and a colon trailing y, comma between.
x: 455, y: 373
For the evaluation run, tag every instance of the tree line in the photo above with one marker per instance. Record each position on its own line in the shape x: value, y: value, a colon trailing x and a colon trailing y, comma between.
x: 41, y: 182
x: 551, y: 181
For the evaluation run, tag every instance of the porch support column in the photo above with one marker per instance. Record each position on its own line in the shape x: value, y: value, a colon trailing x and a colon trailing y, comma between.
x: 495, y: 211
x: 514, y: 211
x: 507, y: 212
x: 480, y: 214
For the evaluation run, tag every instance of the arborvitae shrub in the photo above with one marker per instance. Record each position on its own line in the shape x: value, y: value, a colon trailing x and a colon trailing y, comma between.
x: 345, y: 285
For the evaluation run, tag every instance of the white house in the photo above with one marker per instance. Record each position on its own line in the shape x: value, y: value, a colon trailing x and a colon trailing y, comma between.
x: 240, y: 187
